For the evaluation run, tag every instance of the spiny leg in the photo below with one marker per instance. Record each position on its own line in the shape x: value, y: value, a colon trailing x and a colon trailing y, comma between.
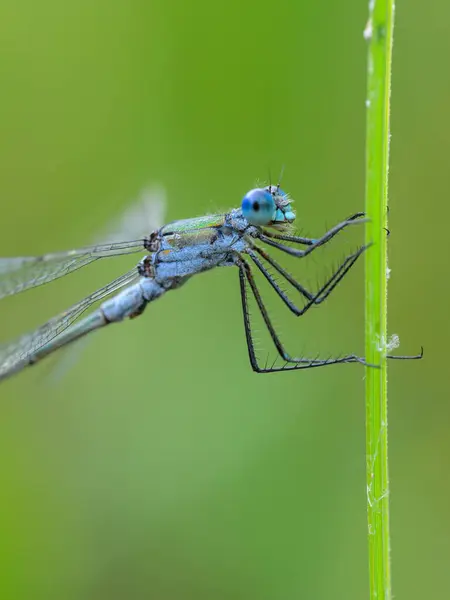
x: 245, y: 275
x: 407, y: 357
x: 296, y: 239
x: 273, y: 263
x: 270, y: 238
x: 328, y: 287
x: 246, y: 315
x: 313, y: 299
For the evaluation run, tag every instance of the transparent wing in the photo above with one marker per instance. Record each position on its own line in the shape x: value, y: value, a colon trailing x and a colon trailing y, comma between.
x: 20, y: 273
x: 140, y: 218
x: 146, y: 213
x: 22, y: 348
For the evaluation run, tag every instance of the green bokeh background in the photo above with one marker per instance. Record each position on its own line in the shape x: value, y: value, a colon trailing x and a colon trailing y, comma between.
x: 159, y: 466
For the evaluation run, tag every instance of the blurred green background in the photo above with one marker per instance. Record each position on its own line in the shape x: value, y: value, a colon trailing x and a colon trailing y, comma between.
x: 159, y: 466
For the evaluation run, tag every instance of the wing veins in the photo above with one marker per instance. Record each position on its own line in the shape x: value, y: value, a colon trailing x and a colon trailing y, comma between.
x: 24, y: 272
x: 24, y: 346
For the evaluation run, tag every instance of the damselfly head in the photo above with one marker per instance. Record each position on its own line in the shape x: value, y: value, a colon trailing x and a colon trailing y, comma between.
x: 268, y: 206
x: 284, y: 212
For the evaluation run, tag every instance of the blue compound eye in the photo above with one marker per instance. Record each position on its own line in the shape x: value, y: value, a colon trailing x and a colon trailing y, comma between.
x: 258, y: 207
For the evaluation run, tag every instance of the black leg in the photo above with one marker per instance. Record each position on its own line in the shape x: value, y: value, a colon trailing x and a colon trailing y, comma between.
x: 292, y: 363
x: 413, y: 357
x: 313, y: 299
x: 356, y: 218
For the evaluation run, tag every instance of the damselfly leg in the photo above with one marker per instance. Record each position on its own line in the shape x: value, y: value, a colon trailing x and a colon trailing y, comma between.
x: 292, y: 363
x: 271, y: 238
x: 313, y: 299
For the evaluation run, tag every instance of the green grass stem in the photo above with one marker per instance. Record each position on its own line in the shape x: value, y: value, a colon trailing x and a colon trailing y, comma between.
x: 378, y: 33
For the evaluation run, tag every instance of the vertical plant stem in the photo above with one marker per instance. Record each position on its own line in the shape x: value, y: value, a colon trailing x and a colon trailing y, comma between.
x: 378, y: 33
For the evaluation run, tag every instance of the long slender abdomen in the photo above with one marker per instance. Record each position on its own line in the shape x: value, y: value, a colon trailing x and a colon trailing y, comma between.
x: 129, y: 302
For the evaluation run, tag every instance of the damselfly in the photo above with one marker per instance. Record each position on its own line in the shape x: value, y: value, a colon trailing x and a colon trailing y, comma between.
x: 174, y: 253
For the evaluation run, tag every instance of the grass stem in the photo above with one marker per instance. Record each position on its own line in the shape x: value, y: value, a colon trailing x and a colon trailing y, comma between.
x: 379, y: 35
